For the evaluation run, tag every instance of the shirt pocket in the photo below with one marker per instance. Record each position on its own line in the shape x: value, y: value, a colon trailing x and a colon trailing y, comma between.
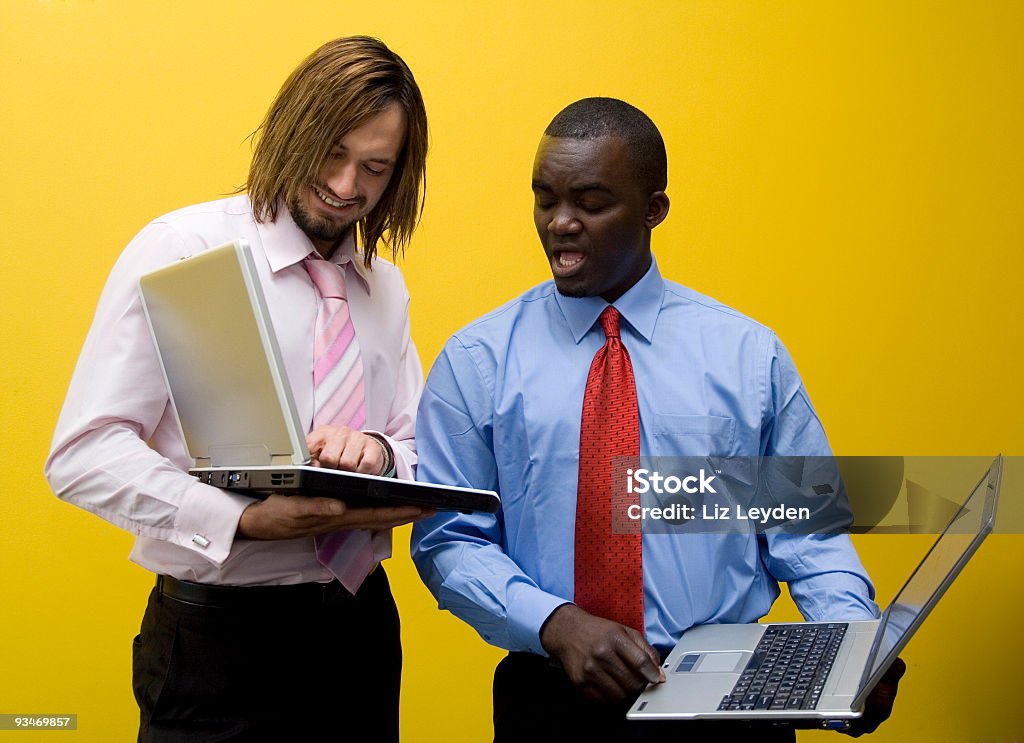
x: 693, y: 435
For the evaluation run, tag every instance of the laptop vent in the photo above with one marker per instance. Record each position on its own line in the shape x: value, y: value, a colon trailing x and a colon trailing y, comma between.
x: 280, y: 479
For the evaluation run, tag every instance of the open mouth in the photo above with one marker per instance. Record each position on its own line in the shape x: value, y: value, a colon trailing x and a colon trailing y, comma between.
x: 566, y: 263
x: 334, y: 203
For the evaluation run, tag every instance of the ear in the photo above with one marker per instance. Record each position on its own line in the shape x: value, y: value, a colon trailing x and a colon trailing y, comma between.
x: 657, y: 209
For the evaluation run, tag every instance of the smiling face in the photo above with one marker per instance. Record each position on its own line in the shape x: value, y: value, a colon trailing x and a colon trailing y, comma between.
x: 351, y: 180
x: 593, y: 215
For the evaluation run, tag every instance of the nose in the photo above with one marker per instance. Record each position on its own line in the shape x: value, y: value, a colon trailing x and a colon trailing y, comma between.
x: 563, y: 222
x: 342, y: 180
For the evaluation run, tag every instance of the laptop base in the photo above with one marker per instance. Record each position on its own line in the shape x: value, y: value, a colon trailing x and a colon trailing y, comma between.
x: 356, y: 490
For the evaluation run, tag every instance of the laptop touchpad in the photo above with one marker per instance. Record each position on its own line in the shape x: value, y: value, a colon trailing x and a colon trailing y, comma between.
x: 712, y: 662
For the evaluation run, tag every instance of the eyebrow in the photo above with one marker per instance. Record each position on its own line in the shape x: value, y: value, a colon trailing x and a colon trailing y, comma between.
x: 583, y: 188
x: 590, y: 187
x: 378, y: 160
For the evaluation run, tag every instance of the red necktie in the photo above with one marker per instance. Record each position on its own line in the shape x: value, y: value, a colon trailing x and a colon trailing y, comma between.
x: 609, y: 576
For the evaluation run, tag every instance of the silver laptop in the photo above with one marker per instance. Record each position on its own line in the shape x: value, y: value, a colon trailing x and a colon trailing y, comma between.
x: 813, y: 672
x: 229, y: 389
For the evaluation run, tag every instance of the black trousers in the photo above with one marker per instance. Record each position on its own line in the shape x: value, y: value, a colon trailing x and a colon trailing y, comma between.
x: 535, y: 702
x: 288, y: 665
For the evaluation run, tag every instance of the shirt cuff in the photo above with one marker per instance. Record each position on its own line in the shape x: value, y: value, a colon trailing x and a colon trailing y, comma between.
x: 528, y: 608
x: 401, y: 468
x: 389, y: 453
x: 207, y: 520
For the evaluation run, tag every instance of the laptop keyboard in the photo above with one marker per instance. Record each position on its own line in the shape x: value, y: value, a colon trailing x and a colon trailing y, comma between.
x: 788, y: 668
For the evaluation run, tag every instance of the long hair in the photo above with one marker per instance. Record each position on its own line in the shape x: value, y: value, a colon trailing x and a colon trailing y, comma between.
x: 336, y: 89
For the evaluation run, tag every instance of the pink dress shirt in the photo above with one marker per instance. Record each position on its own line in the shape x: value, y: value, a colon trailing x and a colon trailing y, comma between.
x: 117, y: 451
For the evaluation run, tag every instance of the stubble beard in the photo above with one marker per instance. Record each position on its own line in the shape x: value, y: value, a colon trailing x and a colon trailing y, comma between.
x: 319, y: 228
x: 578, y: 291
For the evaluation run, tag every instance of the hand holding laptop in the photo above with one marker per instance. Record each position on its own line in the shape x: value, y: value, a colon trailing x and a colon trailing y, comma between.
x: 604, y: 659
x: 332, y: 447
x: 836, y: 675
x: 293, y: 516
x: 878, y: 705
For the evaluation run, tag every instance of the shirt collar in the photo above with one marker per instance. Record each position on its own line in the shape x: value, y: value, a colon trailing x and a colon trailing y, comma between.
x: 639, y: 306
x: 286, y: 244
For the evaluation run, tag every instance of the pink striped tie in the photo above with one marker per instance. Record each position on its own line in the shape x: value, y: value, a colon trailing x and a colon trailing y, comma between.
x: 338, y: 400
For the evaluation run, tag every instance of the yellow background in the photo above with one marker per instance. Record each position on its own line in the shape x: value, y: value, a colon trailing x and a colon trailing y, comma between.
x: 849, y: 173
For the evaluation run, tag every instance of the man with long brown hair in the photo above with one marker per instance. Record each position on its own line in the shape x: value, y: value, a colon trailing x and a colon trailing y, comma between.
x: 272, y: 618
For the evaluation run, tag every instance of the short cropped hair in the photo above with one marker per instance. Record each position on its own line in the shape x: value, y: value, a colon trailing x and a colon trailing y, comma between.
x: 592, y: 118
x: 335, y: 90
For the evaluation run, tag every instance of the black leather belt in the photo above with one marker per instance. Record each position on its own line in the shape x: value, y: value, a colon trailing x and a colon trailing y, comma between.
x: 248, y: 597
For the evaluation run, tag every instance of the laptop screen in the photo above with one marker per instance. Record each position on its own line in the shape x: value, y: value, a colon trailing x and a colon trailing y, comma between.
x: 944, y: 561
x: 220, y: 358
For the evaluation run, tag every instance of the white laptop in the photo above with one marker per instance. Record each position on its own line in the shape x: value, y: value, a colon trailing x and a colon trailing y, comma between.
x: 818, y: 673
x: 230, y: 391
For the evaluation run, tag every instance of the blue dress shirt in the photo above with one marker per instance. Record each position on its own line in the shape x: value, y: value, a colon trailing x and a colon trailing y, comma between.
x: 501, y: 410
